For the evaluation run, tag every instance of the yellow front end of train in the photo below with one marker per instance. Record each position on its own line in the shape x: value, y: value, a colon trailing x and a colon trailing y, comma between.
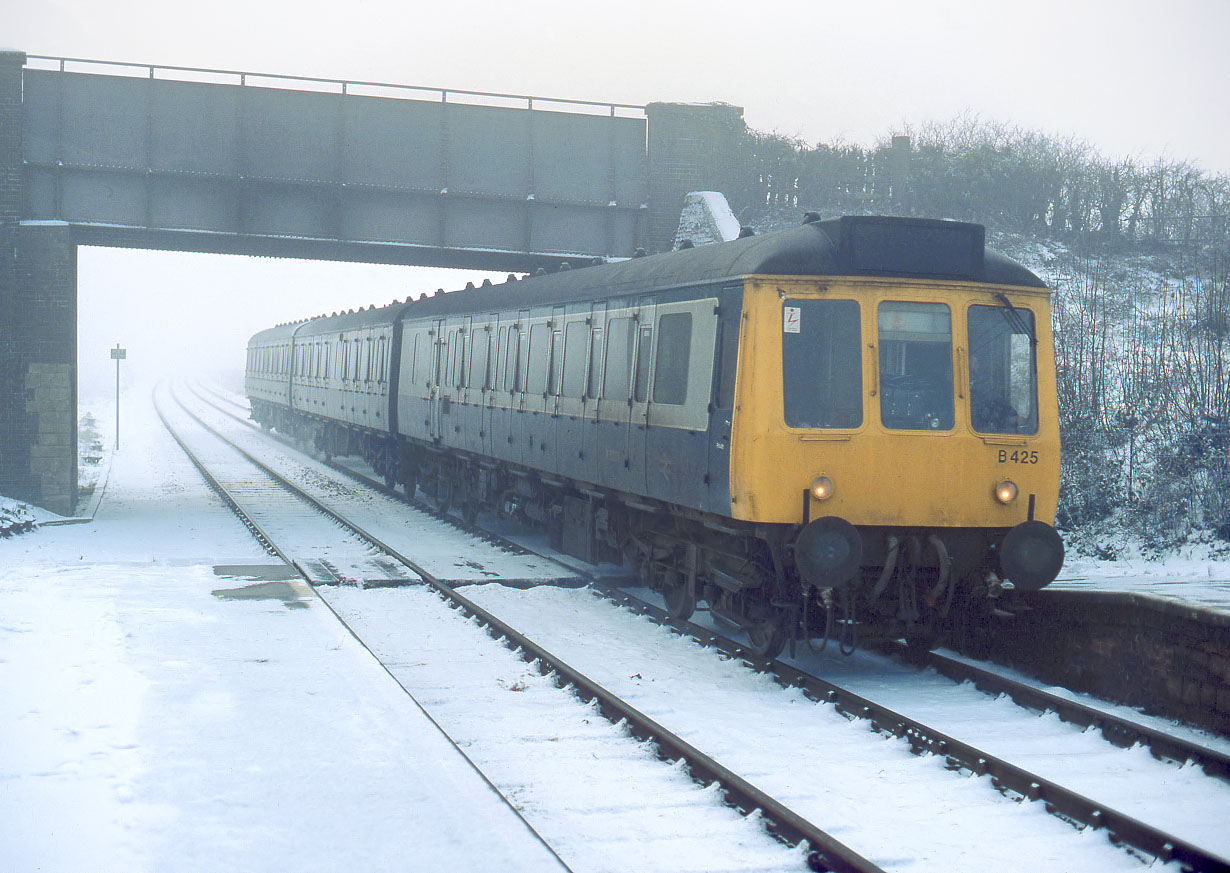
x: 896, y: 404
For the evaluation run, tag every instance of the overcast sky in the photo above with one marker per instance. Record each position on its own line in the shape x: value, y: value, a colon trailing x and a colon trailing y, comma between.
x: 1134, y: 78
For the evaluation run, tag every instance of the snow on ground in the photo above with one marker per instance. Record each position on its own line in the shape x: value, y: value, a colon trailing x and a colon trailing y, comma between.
x: 1194, y: 575
x: 901, y: 811
x: 148, y: 723
x: 14, y: 515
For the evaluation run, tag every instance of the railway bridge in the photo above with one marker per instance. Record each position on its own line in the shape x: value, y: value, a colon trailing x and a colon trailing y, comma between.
x: 130, y: 155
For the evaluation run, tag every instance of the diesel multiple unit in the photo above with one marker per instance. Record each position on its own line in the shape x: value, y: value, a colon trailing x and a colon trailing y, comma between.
x: 847, y: 425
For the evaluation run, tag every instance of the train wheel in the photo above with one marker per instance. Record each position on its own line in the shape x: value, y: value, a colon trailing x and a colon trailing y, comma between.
x: 680, y: 598
x: 444, y: 493
x: 767, y: 638
x: 920, y: 639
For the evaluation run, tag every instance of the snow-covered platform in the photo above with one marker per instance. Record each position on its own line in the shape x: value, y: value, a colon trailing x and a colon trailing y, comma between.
x: 157, y: 715
x: 1196, y: 584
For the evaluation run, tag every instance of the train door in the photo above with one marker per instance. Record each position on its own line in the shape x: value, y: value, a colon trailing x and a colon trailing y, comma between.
x: 536, y: 400
x: 438, y: 398
x: 621, y: 426
x: 497, y: 337
x: 464, y: 417
x: 592, y: 392
x: 726, y: 367
x: 505, y: 423
x: 478, y: 352
x: 518, y: 432
x: 611, y: 437
x: 638, y: 409
x: 570, y: 423
x: 555, y: 376
x: 679, y: 400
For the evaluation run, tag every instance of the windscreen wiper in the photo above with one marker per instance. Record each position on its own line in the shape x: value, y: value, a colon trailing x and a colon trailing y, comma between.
x: 1018, y: 322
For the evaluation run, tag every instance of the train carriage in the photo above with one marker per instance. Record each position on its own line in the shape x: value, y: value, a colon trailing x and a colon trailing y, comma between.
x: 846, y: 425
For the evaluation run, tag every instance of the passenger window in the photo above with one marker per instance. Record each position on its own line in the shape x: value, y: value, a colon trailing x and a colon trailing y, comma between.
x: 523, y: 358
x: 618, y: 359
x: 1003, y: 370
x: 557, y: 362
x: 575, y: 335
x: 539, y: 359
x: 595, y: 365
x: 916, y: 384
x: 644, y: 348
x: 479, y: 352
x: 511, y: 381
x: 670, y: 376
x: 497, y: 371
x: 822, y: 378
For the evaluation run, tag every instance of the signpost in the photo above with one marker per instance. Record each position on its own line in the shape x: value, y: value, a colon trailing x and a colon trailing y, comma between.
x: 117, y: 355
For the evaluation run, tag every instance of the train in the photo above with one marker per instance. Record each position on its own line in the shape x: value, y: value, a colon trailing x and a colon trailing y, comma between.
x: 844, y: 430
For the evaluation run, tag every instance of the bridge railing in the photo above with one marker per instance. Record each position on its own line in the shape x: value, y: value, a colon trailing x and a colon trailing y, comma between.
x: 333, y: 86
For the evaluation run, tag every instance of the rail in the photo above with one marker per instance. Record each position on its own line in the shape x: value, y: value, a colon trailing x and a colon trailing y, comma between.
x: 923, y: 739
x: 824, y: 851
x: 168, y: 72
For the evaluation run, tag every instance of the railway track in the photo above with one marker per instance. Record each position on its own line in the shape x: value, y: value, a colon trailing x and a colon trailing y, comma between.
x: 1119, y: 730
x: 820, y: 851
x: 1018, y: 782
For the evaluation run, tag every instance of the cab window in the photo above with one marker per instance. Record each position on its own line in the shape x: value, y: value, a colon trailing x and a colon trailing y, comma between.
x: 822, y: 378
x: 916, y: 384
x: 1003, y: 373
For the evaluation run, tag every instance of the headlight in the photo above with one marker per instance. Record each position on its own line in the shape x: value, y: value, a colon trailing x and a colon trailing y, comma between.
x: 822, y: 488
x: 1006, y: 491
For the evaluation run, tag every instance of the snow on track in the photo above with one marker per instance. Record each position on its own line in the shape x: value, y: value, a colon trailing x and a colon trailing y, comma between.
x: 1183, y: 801
x: 317, y: 544
x: 147, y: 724
x: 901, y: 811
x: 452, y: 555
x: 602, y: 799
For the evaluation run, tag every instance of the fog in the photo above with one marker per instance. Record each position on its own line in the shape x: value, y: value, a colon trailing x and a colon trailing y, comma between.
x: 179, y: 313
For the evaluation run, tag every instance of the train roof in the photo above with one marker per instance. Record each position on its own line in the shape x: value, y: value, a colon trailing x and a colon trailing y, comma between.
x: 847, y: 246
x: 368, y: 317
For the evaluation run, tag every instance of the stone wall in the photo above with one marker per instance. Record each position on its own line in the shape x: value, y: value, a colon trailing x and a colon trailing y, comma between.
x: 10, y: 137
x: 691, y: 148
x: 38, y: 330
x: 1163, y: 656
